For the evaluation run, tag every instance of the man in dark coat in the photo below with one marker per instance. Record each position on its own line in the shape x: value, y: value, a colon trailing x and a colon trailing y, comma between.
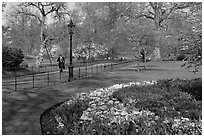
x: 61, y: 62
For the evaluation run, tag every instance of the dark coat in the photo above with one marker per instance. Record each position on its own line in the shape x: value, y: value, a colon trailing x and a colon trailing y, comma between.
x: 61, y: 62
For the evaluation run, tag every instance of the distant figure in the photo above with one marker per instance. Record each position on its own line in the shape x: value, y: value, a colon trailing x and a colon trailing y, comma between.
x: 142, y: 53
x: 61, y: 62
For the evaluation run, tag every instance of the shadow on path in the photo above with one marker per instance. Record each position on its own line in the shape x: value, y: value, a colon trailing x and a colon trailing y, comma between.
x: 21, y: 110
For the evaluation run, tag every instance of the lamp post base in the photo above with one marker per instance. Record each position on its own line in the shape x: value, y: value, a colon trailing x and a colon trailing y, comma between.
x: 70, y: 73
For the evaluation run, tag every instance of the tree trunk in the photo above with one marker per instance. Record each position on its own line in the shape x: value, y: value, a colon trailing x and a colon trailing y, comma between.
x: 43, y: 40
x: 144, y: 56
x: 89, y: 53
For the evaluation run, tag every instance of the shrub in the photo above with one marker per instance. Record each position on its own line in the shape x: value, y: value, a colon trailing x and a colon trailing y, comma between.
x: 181, y: 57
x: 192, y: 87
x: 64, y: 113
x: 162, y: 99
x: 124, y: 109
x: 11, y: 57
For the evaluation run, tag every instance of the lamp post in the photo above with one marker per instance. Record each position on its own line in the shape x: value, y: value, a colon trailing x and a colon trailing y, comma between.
x: 70, y: 26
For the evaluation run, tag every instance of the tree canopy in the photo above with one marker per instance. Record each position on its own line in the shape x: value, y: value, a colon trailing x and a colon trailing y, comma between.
x: 174, y: 27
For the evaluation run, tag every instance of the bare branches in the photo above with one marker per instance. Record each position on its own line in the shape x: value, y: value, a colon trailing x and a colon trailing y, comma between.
x: 30, y: 14
x: 34, y: 5
x: 166, y: 15
x: 152, y: 5
x: 47, y: 4
x: 183, y: 6
x: 146, y: 16
x: 50, y: 11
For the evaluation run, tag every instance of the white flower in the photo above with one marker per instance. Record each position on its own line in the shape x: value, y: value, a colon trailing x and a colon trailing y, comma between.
x: 124, y: 113
x: 85, y: 117
x: 91, y: 102
x: 117, y: 113
x: 105, y: 112
x: 101, y: 103
x: 116, y: 102
x: 127, y: 117
x: 175, y: 126
x: 103, y: 107
x: 93, y: 105
x: 84, y: 94
x: 192, y: 124
x: 166, y: 121
x: 138, y: 83
x: 110, y: 102
x: 98, y: 113
x: 176, y: 120
x: 61, y: 125
x: 156, y: 117
x: 136, y: 112
x: 59, y: 120
x: 88, y: 109
x: 113, y: 109
x: 184, y: 119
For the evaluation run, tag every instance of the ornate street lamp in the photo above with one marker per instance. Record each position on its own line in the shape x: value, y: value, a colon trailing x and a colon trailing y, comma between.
x: 71, y: 32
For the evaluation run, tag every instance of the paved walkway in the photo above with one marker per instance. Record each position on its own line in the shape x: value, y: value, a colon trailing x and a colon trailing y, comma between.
x: 22, y: 109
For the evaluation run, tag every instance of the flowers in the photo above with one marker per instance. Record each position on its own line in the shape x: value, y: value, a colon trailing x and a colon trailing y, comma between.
x: 110, y: 115
x: 102, y: 104
x: 59, y: 120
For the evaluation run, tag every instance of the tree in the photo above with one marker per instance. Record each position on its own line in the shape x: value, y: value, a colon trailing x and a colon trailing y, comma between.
x: 92, y: 52
x: 11, y: 57
x: 41, y: 11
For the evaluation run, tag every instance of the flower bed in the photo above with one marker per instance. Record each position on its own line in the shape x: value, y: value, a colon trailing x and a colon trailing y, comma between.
x: 130, y: 108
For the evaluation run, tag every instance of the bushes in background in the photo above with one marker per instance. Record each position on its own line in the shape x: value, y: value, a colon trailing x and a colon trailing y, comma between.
x: 181, y: 57
x: 168, y: 98
x: 11, y: 57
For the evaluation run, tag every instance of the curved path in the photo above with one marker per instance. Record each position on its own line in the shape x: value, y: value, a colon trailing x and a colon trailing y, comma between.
x: 21, y: 109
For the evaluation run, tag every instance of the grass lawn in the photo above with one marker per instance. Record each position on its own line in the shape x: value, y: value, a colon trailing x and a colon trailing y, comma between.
x: 21, y: 110
x: 46, y: 66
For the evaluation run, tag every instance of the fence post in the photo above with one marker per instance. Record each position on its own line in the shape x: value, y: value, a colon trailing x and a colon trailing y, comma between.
x: 91, y: 69
x: 110, y: 66
x: 60, y: 76
x: 86, y: 70
x: 101, y: 67
x: 48, y: 77
x: 96, y: 69
x: 33, y: 80
x: 32, y: 69
x: 15, y: 83
x: 79, y: 72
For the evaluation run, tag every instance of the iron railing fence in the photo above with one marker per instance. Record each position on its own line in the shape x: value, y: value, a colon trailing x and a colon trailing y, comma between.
x: 37, y: 80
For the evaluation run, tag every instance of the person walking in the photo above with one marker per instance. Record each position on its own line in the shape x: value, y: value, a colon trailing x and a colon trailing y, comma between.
x: 61, y: 62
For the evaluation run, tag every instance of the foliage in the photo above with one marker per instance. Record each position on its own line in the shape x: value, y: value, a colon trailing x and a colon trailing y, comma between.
x: 136, y: 108
x: 63, y: 115
x: 170, y: 26
x: 86, y: 52
x: 181, y: 57
x: 11, y: 57
x: 192, y: 87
